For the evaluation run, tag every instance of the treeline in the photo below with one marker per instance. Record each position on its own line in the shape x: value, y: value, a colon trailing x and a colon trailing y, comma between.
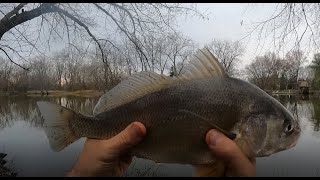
x: 270, y: 72
x: 78, y: 68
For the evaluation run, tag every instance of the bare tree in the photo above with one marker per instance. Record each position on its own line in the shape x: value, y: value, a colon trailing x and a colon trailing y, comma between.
x: 306, y: 73
x: 228, y: 53
x: 265, y: 71
x: 77, y: 22
x: 297, y: 21
x: 40, y: 74
x: 6, y: 73
x: 291, y: 65
x: 59, y: 66
x: 180, y: 49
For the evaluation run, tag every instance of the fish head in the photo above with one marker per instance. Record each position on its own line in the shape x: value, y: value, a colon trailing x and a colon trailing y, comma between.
x: 270, y: 127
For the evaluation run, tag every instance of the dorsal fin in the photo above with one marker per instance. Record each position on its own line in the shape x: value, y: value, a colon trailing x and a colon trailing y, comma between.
x: 132, y: 88
x: 202, y: 65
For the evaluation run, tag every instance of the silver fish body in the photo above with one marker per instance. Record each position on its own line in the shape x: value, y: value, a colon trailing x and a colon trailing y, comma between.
x: 175, y: 129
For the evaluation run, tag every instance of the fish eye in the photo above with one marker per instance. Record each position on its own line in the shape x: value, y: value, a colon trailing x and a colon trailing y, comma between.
x: 288, y: 128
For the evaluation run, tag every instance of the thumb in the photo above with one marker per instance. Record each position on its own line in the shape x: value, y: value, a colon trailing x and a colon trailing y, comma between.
x: 227, y: 150
x: 127, y: 138
x: 222, y: 147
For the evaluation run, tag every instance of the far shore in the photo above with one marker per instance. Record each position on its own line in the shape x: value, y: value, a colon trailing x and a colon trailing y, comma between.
x: 83, y: 93
x: 96, y: 93
x: 285, y: 92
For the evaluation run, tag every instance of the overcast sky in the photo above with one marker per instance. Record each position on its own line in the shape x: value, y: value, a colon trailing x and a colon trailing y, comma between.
x: 224, y: 23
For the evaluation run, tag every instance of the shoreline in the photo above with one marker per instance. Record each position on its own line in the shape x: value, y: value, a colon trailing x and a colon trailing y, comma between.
x: 96, y: 93
x: 83, y: 93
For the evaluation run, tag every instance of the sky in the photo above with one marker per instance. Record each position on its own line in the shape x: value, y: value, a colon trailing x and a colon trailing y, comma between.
x: 224, y: 23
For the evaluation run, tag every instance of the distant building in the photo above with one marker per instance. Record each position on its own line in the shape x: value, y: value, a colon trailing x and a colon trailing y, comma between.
x: 304, y: 86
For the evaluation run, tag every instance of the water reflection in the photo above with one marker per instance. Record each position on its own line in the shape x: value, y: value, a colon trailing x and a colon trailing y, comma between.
x: 25, y: 142
x: 303, y: 159
x: 23, y: 108
x: 22, y: 138
x: 303, y: 107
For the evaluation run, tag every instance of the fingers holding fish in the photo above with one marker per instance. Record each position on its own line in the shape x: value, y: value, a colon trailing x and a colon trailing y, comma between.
x: 238, y: 164
x: 108, y: 157
x: 128, y: 138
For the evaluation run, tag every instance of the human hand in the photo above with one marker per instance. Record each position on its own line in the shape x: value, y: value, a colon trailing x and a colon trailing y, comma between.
x: 238, y: 164
x: 108, y: 157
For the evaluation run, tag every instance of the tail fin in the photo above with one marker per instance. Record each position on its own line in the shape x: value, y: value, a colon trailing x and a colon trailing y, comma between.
x: 57, y: 125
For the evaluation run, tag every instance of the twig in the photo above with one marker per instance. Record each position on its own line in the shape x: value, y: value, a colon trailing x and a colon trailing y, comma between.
x: 27, y: 69
x: 82, y: 25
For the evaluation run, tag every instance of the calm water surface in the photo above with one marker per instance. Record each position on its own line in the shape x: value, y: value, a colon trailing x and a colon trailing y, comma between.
x: 29, y: 153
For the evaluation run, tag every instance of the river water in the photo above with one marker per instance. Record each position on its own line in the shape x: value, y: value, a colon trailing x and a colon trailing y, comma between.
x: 29, y: 153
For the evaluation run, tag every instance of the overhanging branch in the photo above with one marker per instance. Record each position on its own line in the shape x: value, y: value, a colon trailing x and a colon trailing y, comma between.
x: 124, y: 31
x: 56, y: 9
x: 13, y: 12
x: 8, y: 23
x: 27, y: 69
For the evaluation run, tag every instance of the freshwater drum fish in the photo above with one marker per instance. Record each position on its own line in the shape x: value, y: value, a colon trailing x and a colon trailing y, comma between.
x: 178, y: 112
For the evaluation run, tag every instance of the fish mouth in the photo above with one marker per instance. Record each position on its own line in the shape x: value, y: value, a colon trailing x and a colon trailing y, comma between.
x: 271, y: 152
x: 297, y: 129
x: 293, y: 144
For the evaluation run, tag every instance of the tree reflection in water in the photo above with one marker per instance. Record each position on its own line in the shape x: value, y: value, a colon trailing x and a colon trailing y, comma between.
x: 24, y: 108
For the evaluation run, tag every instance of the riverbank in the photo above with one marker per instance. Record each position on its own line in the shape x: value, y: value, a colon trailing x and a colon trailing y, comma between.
x: 285, y: 92
x: 83, y: 93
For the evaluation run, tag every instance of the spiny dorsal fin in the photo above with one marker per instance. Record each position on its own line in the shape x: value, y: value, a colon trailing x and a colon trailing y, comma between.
x: 202, y: 65
x: 134, y: 87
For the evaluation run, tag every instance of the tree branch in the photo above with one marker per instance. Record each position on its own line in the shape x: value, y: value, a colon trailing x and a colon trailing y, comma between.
x: 12, y: 60
x: 13, y: 12
x: 125, y: 32
x: 82, y: 25
x: 8, y: 23
x: 67, y: 26
x: 125, y: 10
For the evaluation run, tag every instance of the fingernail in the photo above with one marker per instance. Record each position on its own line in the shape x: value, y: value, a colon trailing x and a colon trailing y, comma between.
x: 214, y: 138
x: 137, y: 130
